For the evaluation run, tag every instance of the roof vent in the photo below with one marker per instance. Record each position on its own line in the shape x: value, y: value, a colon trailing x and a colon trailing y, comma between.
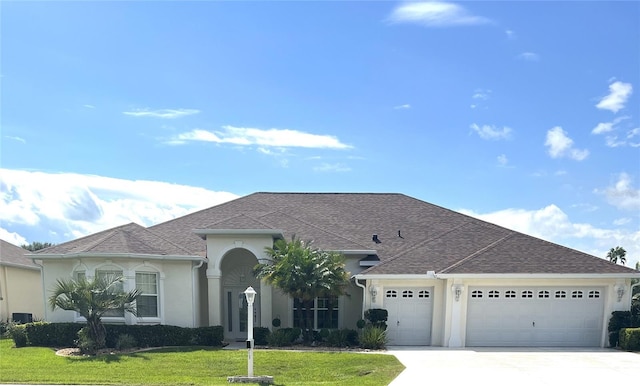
x: 376, y: 239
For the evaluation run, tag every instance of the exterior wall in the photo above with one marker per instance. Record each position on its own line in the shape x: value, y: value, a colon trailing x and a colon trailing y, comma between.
x: 177, y: 287
x: 20, y: 292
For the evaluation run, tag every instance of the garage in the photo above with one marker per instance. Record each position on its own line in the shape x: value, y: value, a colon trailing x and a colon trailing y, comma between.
x: 535, y: 316
x: 410, y: 313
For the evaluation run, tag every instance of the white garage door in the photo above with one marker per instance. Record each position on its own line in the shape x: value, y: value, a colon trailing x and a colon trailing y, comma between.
x: 537, y: 316
x: 410, y: 312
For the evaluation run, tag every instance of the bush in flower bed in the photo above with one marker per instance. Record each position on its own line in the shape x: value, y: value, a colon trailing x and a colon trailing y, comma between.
x: 66, y: 335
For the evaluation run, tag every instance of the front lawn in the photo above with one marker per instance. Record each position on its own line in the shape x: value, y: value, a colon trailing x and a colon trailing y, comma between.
x: 194, y: 366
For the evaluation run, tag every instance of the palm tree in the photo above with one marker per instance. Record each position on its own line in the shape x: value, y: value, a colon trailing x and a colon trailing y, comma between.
x: 304, y: 273
x: 617, y: 254
x: 92, y: 299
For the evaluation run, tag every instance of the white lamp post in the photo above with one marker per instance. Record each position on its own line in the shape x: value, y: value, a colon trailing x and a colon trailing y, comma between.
x: 250, y: 294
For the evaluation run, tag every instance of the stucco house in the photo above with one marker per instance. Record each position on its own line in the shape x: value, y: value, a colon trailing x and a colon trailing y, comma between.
x: 20, y: 285
x: 445, y: 278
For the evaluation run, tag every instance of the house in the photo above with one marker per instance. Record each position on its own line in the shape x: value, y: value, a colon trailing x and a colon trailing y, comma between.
x: 445, y: 278
x: 20, y: 285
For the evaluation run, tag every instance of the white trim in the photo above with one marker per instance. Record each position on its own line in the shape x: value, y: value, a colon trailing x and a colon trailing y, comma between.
x: 537, y: 275
x: 355, y: 251
x: 116, y: 256
x: 203, y: 233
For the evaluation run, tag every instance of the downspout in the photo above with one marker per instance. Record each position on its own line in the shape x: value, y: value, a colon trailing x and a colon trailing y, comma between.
x: 44, y: 292
x: 364, y: 293
x: 195, y: 299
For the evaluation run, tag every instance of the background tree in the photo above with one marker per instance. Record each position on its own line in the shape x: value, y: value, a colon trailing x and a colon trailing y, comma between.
x: 36, y: 246
x: 617, y: 254
x: 304, y: 273
x: 92, y: 299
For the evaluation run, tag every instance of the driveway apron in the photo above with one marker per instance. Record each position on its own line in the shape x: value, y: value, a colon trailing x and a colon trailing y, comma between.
x: 516, y: 366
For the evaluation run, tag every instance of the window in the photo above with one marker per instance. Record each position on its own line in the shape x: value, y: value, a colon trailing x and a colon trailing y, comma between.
x: 494, y: 294
x: 111, y: 275
x: 561, y: 294
x: 407, y: 294
x: 527, y: 294
x: 543, y: 294
x: 147, y: 302
x: 476, y: 294
x: 510, y: 294
x: 594, y: 294
x: 423, y: 294
x: 576, y: 294
x: 325, y: 312
x: 391, y: 294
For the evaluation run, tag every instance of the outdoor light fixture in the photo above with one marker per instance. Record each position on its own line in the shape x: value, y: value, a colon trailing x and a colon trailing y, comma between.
x: 620, y: 291
x: 374, y: 293
x: 457, y: 291
x: 250, y: 294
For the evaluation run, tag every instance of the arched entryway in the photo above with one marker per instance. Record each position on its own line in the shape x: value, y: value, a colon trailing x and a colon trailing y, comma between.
x: 237, y: 274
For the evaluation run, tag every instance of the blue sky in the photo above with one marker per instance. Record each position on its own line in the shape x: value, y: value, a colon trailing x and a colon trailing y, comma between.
x: 525, y: 114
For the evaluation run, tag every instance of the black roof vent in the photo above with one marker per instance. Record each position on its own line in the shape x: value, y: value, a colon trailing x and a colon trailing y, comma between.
x: 376, y: 239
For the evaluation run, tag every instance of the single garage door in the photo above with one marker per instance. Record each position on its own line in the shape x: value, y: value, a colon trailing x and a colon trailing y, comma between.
x: 537, y: 316
x: 410, y: 313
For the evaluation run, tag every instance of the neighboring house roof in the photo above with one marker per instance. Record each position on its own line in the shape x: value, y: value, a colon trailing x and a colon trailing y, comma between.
x: 414, y: 236
x: 129, y: 239
x: 13, y: 255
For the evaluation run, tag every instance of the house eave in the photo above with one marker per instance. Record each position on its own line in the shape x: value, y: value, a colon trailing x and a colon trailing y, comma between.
x: 203, y: 233
x: 538, y: 275
x: 138, y: 256
x: 21, y: 266
x: 498, y: 276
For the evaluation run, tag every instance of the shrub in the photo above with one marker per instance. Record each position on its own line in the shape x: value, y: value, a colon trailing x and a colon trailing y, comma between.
x: 208, y: 336
x: 377, y: 317
x: 324, y: 334
x: 18, y: 334
x: 630, y: 339
x: 46, y: 334
x: 620, y: 319
x: 260, y: 335
x: 86, y: 343
x: 343, y: 338
x: 276, y: 322
x: 126, y: 341
x: 361, y: 323
x: 373, y: 338
x: 283, y: 337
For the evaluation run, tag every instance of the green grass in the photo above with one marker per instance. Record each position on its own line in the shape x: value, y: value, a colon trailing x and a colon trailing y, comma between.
x: 194, y: 366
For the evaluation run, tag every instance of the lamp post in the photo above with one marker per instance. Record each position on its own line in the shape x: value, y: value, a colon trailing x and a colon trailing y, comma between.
x: 250, y: 294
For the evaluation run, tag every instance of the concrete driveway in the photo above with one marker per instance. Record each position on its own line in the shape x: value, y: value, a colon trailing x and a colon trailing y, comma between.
x: 516, y: 366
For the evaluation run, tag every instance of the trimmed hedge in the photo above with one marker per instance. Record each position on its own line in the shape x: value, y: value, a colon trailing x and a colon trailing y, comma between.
x: 619, y: 320
x: 630, y: 339
x: 65, y: 335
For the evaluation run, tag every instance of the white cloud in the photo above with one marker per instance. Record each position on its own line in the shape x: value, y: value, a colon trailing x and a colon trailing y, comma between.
x: 529, y: 56
x: 619, y: 92
x: 12, y: 237
x: 481, y: 94
x: 435, y: 14
x: 560, y: 145
x: 162, y: 113
x: 503, y: 160
x: 89, y: 106
x: 491, y: 132
x: 511, y: 35
x: 606, y: 127
x: 267, y: 138
x: 74, y: 205
x: 326, y: 167
x: 622, y: 194
x: 19, y: 139
x: 402, y: 107
x: 552, y: 224
x: 621, y: 221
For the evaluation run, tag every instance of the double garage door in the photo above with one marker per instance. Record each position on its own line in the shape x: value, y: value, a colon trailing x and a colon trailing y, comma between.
x: 410, y: 313
x: 535, y: 316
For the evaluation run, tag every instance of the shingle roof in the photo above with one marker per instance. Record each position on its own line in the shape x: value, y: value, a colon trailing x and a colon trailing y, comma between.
x: 126, y: 239
x: 13, y: 255
x: 415, y: 236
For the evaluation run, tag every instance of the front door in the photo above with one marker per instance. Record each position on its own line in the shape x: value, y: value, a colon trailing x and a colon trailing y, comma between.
x: 237, y: 312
